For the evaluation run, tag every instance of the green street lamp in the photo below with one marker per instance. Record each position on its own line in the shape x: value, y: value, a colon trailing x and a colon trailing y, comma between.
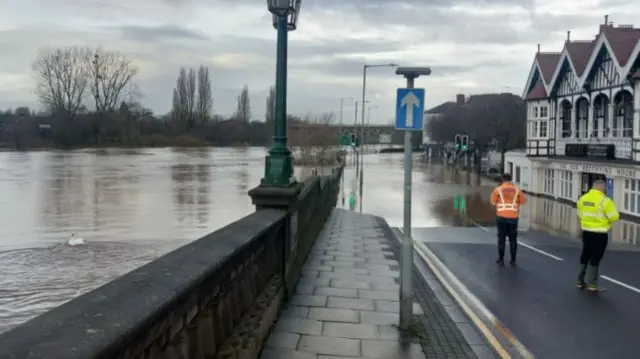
x: 279, y: 164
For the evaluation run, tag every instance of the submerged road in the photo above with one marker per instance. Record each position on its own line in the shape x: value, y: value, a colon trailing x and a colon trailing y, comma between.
x: 538, y: 301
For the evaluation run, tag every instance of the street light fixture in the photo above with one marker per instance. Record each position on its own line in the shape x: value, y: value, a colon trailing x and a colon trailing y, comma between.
x: 279, y: 164
x: 364, y: 93
x: 290, y: 9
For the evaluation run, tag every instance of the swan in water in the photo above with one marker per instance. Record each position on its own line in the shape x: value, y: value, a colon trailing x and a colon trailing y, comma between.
x: 75, y: 241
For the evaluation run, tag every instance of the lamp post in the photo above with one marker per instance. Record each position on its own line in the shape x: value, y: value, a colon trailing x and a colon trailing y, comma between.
x: 364, y: 95
x: 279, y: 164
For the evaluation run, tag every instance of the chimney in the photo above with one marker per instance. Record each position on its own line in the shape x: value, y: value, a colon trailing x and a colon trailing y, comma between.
x: 606, y: 19
x: 538, y: 48
x: 460, y: 99
x: 568, y: 36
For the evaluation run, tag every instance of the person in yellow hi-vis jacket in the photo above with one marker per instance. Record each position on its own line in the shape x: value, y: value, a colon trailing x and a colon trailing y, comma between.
x: 597, y: 213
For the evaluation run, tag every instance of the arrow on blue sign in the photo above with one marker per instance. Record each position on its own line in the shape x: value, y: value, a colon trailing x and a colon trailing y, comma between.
x: 409, y: 109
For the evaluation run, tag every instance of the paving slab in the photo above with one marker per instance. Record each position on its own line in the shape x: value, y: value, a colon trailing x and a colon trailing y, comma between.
x: 347, y: 301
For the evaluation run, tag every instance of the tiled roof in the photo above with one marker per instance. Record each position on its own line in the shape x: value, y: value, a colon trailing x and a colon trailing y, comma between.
x: 538, y: 92
x: 441, y: 108
x: 548, y: 62
x: 580, y: 52
x: 622, y: 40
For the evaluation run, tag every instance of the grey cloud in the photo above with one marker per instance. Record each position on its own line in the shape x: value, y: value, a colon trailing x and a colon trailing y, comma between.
x: 159, y: 33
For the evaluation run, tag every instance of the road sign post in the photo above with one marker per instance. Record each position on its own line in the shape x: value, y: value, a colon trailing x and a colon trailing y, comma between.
x: 409, y: 114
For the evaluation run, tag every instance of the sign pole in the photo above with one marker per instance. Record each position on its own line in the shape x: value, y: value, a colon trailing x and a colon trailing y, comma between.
x: 406, y: 285
x: 409, y: 117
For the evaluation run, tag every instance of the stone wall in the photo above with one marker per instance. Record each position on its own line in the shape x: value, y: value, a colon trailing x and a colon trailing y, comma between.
x: 216, y: 297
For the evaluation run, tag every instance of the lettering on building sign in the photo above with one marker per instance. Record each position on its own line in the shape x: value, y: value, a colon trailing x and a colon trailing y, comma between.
x: 590, y: 150
x: 608, y: 171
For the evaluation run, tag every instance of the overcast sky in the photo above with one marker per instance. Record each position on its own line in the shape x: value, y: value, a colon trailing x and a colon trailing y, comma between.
x: 472, y: 46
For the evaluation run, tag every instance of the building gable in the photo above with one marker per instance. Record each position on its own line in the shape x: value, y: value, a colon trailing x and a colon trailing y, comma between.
x: 566, y: 81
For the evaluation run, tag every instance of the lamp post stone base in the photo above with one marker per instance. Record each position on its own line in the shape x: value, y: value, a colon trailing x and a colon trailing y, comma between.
x: 265, y: 196
x: 278, y: 171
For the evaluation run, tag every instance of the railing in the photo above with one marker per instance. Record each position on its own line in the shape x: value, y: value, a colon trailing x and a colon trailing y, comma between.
x: 216, y: 297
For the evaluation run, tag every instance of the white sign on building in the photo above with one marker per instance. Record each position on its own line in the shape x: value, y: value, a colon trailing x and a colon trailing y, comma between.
x: 384, y: 138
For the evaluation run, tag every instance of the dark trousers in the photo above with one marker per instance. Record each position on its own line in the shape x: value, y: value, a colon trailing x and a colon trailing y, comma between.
x: 507, y: 227
x: 593, y: 246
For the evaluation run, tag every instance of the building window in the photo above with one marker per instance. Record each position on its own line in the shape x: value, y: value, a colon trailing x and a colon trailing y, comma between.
x: 543, y: 128
x: 544, y: 111
x: 517, y: 176
x: 548, y: 179
x: 565, y: 118
x: 534, y: 130
x: 566, y: 184
x: 509, y: 168
x: 525, y: 175
x: 632, y: 196
x: 535, y: 112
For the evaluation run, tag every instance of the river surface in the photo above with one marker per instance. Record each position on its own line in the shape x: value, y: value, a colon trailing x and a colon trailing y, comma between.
x: 132, y: 206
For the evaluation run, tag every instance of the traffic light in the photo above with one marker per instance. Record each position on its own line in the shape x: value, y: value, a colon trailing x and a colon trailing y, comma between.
x: 458, y: 142
x: 465, y: 142
x: 353, y: 139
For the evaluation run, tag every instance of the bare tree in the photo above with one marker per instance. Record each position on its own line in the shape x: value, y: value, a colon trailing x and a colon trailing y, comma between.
x: 205, y: 97
x: 312, y: 140
x: 62, y: 77
x: 111, y: 74
x: 270, y: 114
x: 191, y: 97
x: 180, y: 110
x: 489, y: 118
x: 243, y: 112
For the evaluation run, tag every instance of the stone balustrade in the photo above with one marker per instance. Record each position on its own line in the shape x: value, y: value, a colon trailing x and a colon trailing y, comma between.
x: 215, y: 298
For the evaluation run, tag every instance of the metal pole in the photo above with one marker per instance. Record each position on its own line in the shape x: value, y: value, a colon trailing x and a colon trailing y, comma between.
x: 355, y: 149
x: 406, y: 271
x: 364, y: 90
x: 340, y: 146
x: 279, y: 166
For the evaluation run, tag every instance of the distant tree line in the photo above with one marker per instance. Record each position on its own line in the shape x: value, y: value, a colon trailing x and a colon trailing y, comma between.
x: 90, y: 98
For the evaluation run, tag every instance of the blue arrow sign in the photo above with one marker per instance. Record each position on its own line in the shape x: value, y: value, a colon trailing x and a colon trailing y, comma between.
x: 409, y: 109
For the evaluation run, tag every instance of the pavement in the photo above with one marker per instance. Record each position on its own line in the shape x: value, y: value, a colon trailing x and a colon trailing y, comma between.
x: 536, y: 305
x: 346, y: 303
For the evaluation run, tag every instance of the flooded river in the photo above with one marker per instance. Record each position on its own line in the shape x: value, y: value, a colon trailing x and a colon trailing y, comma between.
x: 132, y: 206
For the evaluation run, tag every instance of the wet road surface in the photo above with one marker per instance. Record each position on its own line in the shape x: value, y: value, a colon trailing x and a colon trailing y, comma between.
x: 538, y: 301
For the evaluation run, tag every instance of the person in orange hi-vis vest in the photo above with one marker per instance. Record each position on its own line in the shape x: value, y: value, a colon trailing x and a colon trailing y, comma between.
x: 507, y: 198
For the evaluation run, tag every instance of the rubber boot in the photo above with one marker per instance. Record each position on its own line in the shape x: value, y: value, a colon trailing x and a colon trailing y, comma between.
x: 583, y: 272
x: 592, y: 279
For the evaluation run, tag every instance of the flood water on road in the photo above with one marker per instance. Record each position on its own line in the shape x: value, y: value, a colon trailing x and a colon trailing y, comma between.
x: 132, y: 206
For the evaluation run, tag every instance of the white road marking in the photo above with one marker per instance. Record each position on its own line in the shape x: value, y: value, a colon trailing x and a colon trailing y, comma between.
x: 448, y: 281
x: 612, y: 280
x: 524, y: 245
x: 622, y: 284
x: 540, y: 251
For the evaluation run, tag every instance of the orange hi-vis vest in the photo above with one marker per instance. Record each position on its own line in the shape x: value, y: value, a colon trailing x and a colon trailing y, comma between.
x: 507, y: 198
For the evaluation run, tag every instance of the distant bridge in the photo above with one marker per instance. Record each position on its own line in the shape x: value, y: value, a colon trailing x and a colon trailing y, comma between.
x: 314, y: 132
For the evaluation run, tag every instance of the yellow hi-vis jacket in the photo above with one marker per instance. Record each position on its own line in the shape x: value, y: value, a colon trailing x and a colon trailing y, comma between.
x: 597, y: 212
